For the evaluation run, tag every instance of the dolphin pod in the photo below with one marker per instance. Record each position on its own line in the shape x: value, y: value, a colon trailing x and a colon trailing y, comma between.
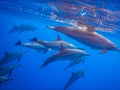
x: 7, y: 66
x: 88, y: 37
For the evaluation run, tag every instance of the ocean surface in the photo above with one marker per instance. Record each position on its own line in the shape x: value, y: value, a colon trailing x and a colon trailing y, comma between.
x: 103, y: 70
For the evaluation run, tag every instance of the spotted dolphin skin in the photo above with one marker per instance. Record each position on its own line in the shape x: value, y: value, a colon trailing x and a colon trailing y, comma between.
x: 35, y: 46
x: 87, y: 37
x: 9, y: 57
x: 74, y: 77
x: 22, y: 28
x: 55, y: 45
x: 65, y: 54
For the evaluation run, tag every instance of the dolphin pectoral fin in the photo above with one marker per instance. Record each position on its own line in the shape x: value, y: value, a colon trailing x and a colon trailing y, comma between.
x: 45, y: 51
x: 103, y: 51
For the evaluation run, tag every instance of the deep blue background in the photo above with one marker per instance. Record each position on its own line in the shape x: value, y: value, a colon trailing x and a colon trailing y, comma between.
x: 103, y: 71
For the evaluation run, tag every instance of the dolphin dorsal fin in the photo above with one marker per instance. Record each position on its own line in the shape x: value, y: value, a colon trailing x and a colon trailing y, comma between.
x: 58, y: 38
x: 6, y: 53
x: 73, y: 73
x: 62, y: 47
x: 34, y: 39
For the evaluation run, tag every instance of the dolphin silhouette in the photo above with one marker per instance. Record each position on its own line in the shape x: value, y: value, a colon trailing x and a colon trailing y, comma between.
x: 74, y: 77
x: 7, y: 70
x: 9, y: 57
x: 4, y: 79
x: 88, y: 37
x: 22, y: 28
x: 35, y: 46
x: 55, y: 44
x: 65, y: 54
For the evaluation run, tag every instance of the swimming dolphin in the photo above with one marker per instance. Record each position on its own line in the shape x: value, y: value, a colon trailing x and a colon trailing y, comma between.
x: 7, y: 70
x: 22, y: 28
x: 55, y: 44
x: 73, y: 63
x: 65, y: 54
x: 9, y: 57
x: 35, y: 46
x: 74, y: 77
x: 5, y: 79
x: 87, y: 36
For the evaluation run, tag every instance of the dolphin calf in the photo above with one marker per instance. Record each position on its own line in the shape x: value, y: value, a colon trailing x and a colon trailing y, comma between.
x: 73, y: 63
x: 35, y: 46
x: 9, y: 57
x: 74, y: 77
x: 22, y: 28
x: 65, y: 54
x: 7, y: 70
x: 5, y: 79
x: 88, y: 37
x: 55, y: 44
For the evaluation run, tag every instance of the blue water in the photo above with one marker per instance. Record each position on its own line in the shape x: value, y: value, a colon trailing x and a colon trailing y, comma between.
x: 103, y: 71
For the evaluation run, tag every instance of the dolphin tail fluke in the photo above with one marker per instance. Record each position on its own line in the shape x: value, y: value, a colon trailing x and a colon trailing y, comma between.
x: 18, y: 43
x: 34, y: 39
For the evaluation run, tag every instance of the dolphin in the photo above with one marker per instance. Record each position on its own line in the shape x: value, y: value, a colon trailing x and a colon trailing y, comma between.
x: 88, y: 37
x: 4, y: 79
x: 22, y: 28
x: 7, y: 70
x: 10, y: 57
x: 55, y: 45
x: 73, y: 63
x: 35, y: 46
x: 65, y: 54
x: 74, y: 77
